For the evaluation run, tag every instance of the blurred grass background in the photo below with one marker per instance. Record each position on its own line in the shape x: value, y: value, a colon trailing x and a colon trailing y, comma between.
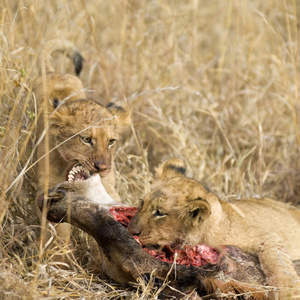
x: 212, y: 82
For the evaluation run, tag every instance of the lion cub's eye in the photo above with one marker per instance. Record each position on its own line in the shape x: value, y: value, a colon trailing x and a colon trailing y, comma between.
x: 159, y: 213
x: 111, y: 142
x: 86, y: 139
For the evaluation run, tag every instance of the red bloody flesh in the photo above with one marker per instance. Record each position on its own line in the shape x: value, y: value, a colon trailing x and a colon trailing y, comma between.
x: 123, y: 214
x: 198, y: 255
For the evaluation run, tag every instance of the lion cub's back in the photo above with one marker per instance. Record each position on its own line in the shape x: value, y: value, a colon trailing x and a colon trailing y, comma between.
x: 274, y: 216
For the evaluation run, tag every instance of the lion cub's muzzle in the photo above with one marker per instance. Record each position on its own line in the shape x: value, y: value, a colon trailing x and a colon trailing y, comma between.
x: 81, y: 172
x: 102, y: 168
x: 133, y: 227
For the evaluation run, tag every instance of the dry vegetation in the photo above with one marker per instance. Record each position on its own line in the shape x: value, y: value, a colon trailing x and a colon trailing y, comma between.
x: 213, y: 82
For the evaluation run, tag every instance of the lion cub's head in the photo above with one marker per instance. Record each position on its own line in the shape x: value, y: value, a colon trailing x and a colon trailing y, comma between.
x: 176, y: 207
x: 85, y: 134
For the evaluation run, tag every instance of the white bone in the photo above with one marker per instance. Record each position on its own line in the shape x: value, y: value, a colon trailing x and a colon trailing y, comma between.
x: 96, y: 192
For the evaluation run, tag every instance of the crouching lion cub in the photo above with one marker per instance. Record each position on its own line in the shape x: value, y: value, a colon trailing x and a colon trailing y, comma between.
x: 180, y: 210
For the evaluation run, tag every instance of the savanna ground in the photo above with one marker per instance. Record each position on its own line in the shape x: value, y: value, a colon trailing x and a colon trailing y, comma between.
x: 213, y: 82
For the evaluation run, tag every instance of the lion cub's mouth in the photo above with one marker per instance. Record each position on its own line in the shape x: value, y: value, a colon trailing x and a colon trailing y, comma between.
x: 78, y: 173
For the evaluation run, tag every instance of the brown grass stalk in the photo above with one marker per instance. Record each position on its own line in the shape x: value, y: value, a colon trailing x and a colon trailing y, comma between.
x: 213, y: 82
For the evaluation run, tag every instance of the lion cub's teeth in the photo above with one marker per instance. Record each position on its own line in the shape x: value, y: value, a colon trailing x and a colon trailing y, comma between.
x: 75, y: 170
x: 78, y: 169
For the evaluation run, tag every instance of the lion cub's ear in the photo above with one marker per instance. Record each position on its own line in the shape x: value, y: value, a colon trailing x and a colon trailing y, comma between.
x: 121, y: 111
x: 198, y: 210
x: 54, y: 103
x: 171, y: 168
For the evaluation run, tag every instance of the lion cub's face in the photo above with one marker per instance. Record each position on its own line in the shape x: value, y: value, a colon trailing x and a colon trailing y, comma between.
x: 172, y: 209
x: 85, y: 134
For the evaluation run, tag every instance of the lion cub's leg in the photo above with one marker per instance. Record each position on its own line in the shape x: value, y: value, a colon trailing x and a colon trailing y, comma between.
x: 277, y: 265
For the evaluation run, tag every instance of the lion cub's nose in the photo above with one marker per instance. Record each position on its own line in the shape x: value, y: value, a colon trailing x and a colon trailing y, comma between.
x: 133, y: 229
x: 100, y: 166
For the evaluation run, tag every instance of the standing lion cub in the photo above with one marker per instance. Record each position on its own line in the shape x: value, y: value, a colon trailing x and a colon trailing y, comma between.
x: 180, y: 210
x: 76, y: 135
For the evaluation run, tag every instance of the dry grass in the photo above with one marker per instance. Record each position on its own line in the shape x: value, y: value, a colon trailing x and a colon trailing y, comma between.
x: 213, y: 82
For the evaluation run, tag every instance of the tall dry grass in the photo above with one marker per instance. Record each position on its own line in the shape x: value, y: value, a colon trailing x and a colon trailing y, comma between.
x: 213, y: 82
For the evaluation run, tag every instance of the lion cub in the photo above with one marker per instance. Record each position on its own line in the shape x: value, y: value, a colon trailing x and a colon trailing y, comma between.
x: 181, y: 210
x: 77, y: 136
x: 81, y: 132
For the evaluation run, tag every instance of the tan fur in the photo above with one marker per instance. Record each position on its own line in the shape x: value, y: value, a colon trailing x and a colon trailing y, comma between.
x: 66, y: 116
x: 181, y: 210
